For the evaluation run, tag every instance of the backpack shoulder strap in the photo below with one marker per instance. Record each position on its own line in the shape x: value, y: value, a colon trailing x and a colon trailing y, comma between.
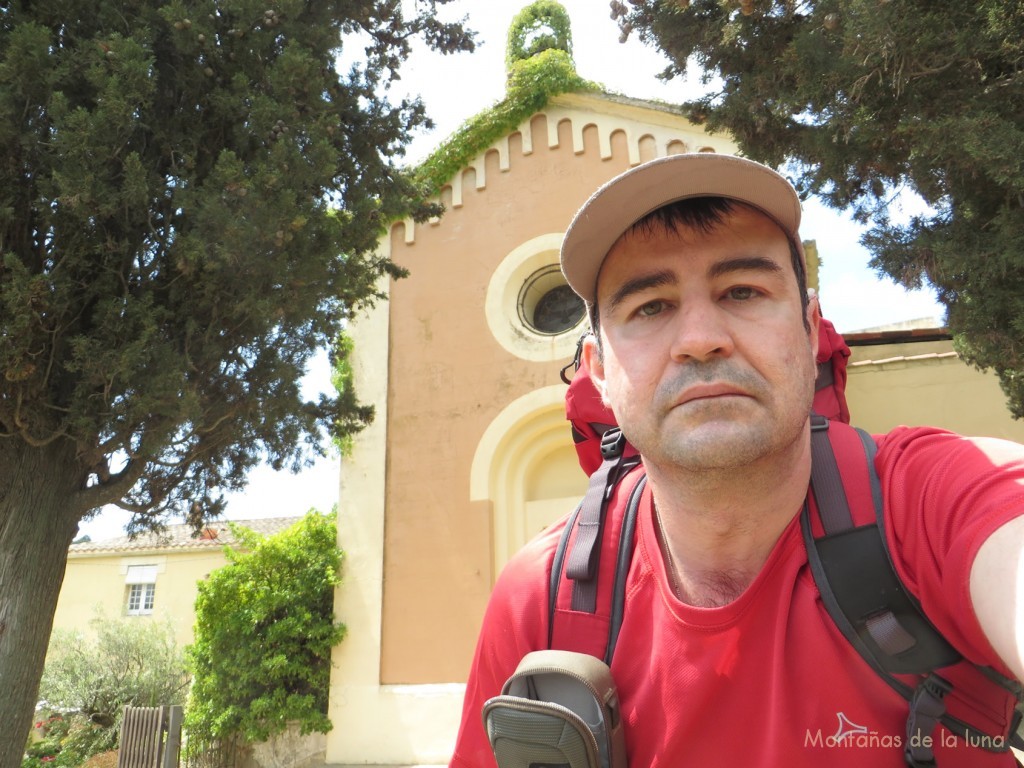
x: 844, y: 534
x: 602, y: 529
x: 851, y: 565
x: 583, y: 558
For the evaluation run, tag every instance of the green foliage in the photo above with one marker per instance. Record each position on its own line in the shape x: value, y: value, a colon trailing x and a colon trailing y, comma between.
x: 190, y: 206
x: 68, y: 741
x: 90, y: 678
x: 868, y: 97
x: 264, y: 632
x: 342, y: 379
x: 121, y: 662
x: 543, y: 25
x: 191, y: 195
x: 539, y: 68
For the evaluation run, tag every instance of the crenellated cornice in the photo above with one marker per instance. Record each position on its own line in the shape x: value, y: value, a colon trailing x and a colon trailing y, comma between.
x: 650, y: 129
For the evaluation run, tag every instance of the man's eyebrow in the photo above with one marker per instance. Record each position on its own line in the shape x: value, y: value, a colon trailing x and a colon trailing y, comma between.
x: 638, y: 284
x: 743, y: 264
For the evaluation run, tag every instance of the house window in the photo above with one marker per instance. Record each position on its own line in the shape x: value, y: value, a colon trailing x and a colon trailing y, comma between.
x: 141, y: 584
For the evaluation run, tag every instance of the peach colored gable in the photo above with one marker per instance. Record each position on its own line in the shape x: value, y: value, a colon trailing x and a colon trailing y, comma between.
x: 455, y: 364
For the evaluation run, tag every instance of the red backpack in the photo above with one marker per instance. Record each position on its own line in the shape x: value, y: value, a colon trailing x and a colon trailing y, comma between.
x: 843, y: 534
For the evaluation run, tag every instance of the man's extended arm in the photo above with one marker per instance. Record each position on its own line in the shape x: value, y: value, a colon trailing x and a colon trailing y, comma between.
x: 997, y: 593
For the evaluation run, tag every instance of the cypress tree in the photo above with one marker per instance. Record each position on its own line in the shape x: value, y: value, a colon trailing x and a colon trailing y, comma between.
x: 191, y: 195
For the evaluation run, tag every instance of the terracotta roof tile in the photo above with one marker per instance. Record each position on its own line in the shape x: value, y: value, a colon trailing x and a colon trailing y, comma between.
x: 215, y: 535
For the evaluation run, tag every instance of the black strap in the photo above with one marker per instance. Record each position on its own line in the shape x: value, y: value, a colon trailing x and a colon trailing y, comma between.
x: 585, y: 554
x: 856, y: 577
x: 1017, y: 727
x: 555, y: 577
x: 926, y: 711
x: 627, y: 546
x: 826, y: 481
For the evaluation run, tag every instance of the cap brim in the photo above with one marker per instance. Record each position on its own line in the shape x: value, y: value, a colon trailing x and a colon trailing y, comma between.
x: 627, y: 198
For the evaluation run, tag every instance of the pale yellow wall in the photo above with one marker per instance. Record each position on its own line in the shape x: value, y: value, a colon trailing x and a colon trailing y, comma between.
x: 925, y: 384
x: 97, y: 582
x: 525, y: 470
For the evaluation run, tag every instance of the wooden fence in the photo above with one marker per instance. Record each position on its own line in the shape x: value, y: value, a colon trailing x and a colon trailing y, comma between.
x: 150, y: 737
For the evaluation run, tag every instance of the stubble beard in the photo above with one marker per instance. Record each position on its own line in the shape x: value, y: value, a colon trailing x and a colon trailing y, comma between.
x: 720, y: 437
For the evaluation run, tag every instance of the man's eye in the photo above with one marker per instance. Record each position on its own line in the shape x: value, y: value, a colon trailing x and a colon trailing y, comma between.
x: 742, y: 293
x: 651, y: 308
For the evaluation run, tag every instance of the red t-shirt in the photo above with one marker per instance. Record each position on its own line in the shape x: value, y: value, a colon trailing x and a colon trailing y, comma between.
x: 768, y: 680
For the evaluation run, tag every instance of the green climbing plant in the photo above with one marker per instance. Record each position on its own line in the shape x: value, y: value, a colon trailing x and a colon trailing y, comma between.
x: 540, y: 67
x: 539, y: 27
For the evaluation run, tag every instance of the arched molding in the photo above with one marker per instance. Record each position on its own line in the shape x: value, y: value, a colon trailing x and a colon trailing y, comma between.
x: 528, y: 430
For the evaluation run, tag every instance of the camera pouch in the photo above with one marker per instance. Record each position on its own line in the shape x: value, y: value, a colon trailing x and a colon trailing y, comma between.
x: 559, y: 709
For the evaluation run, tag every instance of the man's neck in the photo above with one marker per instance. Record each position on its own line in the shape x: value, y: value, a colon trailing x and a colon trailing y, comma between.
x: 718, y: 527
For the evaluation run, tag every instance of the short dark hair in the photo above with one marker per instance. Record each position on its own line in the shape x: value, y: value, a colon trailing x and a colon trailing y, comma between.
x: 703, y: 214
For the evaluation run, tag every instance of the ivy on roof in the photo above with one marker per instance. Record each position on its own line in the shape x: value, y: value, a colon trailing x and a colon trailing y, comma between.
x: 540, y: 66
x: 537, y: 28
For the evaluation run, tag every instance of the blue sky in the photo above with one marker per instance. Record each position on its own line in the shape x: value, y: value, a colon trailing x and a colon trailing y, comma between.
x: 455, y: 88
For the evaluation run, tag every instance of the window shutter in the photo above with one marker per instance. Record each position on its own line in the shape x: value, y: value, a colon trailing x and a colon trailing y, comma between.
x: 140, y: 574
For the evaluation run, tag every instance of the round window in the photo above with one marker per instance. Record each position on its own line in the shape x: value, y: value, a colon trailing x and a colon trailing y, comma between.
x: 530, y: 309
x: 547, y: 305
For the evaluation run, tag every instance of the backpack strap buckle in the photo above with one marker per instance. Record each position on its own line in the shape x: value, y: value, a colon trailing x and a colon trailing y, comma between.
x: 926, y: 709
x: 613, y: 443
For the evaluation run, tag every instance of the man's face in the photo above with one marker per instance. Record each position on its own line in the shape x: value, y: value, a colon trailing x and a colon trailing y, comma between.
x: 707, y: 362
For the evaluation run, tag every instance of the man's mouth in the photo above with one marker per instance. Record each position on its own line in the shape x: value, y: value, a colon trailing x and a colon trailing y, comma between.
x: 709, y: 391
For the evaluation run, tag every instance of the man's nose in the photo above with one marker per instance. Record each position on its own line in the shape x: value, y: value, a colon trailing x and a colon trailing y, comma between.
x: 702, y: 332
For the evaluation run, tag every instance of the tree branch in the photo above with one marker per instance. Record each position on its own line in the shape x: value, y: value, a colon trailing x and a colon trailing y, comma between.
x: 120, y: 483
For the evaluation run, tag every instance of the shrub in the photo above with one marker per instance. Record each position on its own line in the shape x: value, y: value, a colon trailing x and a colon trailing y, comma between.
x: 263, y: 637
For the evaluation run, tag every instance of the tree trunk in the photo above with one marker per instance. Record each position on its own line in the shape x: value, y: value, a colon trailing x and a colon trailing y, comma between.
x: 38, y: 521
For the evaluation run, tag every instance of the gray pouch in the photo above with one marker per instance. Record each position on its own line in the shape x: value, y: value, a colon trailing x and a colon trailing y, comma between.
x: 558, y: 710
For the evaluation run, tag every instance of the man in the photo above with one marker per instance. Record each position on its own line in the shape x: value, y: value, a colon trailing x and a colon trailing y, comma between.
x: 704, y: 348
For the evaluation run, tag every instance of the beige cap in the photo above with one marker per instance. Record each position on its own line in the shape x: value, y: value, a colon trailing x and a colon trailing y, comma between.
x: 630, y: 196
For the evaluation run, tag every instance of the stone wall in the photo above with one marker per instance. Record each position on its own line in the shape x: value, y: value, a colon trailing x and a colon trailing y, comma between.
x: 289, y: 750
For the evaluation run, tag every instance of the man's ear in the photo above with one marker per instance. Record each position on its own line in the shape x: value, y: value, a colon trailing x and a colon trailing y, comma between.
x: 594, y: 360
x: 813, y: 319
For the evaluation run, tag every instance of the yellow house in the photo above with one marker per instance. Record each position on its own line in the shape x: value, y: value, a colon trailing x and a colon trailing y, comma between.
x: 469, y: 455
x: 914, y: 377
x: 154, y: 575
